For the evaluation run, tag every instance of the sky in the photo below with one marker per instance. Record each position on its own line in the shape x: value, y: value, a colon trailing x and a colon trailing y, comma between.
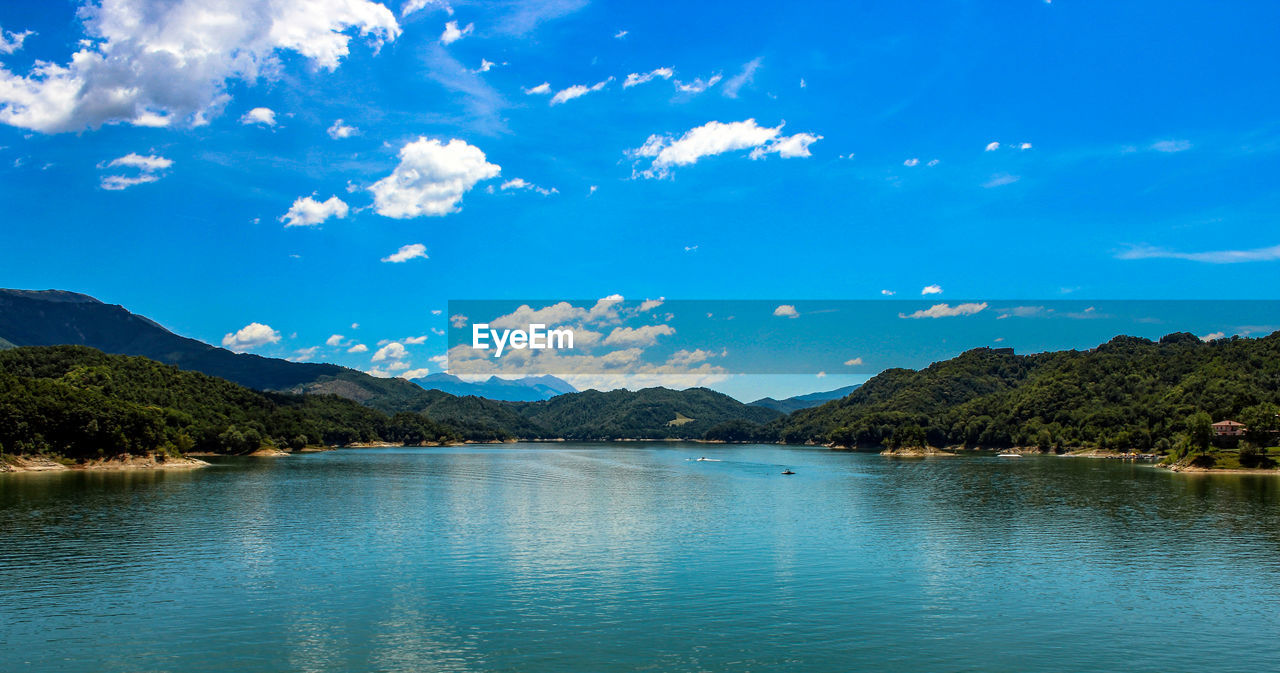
x: 269, y: 175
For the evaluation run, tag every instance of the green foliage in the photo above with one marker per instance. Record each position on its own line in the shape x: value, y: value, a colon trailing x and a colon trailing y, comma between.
x: 1127, y: 394
x: 81, y: 403
x: 737, y: 431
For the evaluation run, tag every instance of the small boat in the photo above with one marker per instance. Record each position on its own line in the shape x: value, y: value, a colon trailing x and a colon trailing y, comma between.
x: 1008, y: 455
x: 788, y: 472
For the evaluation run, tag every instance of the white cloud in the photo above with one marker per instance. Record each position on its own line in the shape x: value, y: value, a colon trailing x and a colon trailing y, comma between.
x: 698, y: 85
x: 458, y: 320
x: 946, y: 311
x: 1213, y: 336
x: 650, y: 304
x: 355, y: 325
x: 304, y: 354
x: 147, y: 169
x: 416, y: 341
x: 11, y: 42
x: 358, y: 348
x: 1024, y: 146
x: 888, y: 293
x: 165, y: 62
x: 406, y: 253
x: 685, y: 357
x: 644, y: 336
x: 540, y: 90
x: 620, y: 34
x: 911, y: 162
x: 520, y: 183
x: 452, y: 33
x: 853, y: 362
x: 992, y: 146
x: 416, y: 5
x: 393, y: 351
x: 306, y: 211
x: 1171, y: 146
x: 441, y: 361
x: 931, y: 289
x: 431, y: 179
x: 744, y: 77
x: 415, y: 373
x: 263, y: 116
x: 786, y: 311
x: 485, y: 66
x: 1210, y: 257
x: 334, y: 340
x: 339, y: 130
x: 577, y: 91
x: 1000, y: 180
x: 821, y: 375
x: 148, y: 164
x: 250, y: 336
x: 641, y: 77
x: 715, y: 138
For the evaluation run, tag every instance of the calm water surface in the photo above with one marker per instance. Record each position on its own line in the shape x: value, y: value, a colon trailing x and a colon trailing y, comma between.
x: 580, y: 557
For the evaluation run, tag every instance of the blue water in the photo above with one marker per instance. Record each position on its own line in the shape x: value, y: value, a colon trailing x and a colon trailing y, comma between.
x: 578, y: 557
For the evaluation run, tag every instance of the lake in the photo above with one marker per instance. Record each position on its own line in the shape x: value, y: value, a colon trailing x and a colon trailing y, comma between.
x: 633, y: 557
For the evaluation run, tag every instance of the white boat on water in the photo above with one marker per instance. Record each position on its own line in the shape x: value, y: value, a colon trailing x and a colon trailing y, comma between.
x: 1008, y: 455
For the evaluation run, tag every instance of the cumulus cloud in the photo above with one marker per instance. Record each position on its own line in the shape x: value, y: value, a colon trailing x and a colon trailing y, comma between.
x: 641, y: 77
x: 715, y: 138
x: 642, y: 337
x: 417, y: 5
x: 540, y: 90
x: 452, y: 33
x: 431, y: 179
x: 262, y: 116
x: 911, y: 162
x: 145, y: 169
x: 334, y: 340
x: 307, y: 212
x: 685, y: 357
x: 161, y: 62
x: 931, y: 289
x: 250, y: 336
x: 11, y: 41
x: 1214, y: 336
x: 1209, y: 257
x: 744, y: 77
x: 358, y: 348
x: 888, y: 293
x: 577, y: 91
x: 992, y: 146
x: 416, y: 341
x: 340, y: 130
x: 946, y: 311
x: 391, y: 351
x: 853, y: 362
x: 786, y: 311
x: 406, y: 253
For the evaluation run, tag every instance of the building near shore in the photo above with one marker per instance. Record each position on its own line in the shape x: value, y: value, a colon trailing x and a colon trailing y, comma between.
x: 1228, y: 429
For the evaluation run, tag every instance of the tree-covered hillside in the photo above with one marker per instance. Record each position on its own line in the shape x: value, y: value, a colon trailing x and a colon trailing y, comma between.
x: 79, y: 402
x: 1129, y: 393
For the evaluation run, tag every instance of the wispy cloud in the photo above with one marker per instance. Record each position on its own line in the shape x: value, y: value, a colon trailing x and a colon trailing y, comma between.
x: 744, y: 77
x: 946, y: 311
x: 1270, y: 254
x: 577, y: 91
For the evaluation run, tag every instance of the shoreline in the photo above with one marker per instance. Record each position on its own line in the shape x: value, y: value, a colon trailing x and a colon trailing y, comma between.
x: 121, y: 463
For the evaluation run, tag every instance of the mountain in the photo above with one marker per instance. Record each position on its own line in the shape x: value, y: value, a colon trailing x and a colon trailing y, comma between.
x: 79, y: 402
x: 798, y: 402
x: 528, y: 389
x: 56, y: 317
x: 1129, y: 393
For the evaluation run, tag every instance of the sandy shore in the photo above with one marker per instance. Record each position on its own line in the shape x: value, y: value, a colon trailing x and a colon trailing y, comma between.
x: 916, y: 452
x: 122, y: 462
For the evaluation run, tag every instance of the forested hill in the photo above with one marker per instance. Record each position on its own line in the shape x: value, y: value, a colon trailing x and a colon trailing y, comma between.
x: 651, y: 413
x: 1129, y: 393
x: 81, y: 403
x: 57, y: 317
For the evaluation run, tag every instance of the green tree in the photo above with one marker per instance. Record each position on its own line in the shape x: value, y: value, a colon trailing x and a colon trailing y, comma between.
x: 1200, y: 431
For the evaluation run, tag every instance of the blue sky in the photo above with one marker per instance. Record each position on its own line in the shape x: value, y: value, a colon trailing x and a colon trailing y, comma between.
x: 1135, y: 155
